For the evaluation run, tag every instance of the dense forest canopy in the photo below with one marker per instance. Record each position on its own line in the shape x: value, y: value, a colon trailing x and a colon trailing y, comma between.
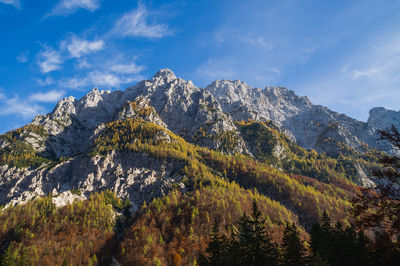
x: 299, y: 207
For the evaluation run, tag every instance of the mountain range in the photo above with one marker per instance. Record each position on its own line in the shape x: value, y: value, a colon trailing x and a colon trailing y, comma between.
x: 142, y: 176
x: 57, y: 146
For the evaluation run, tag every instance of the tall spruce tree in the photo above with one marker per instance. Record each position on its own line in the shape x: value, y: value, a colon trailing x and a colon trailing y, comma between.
x: 254, y: 244
x: 293, y: 250
x: 338, y: 245
x: 218, y: 248
x: 249, y: 245
x: 321, y: 238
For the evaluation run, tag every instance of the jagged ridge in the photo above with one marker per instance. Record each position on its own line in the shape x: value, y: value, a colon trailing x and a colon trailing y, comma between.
x: 202, y: 116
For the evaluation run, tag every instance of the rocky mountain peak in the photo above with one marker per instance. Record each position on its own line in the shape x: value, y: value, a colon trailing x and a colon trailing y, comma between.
x: 283, y: 95
x: 382, y: 118
x: 210, y: 117
x: 185, y: 108
x: 232, y: 89
x: 64, y: 108
x: 91, y: 99
x: 165, y: 73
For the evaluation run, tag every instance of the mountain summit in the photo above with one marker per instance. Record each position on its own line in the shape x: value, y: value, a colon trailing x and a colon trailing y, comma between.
x: 59, y: 152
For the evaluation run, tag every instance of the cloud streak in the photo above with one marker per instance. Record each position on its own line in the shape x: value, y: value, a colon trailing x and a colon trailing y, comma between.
x: 127, y: 69
x: 28, y: 107
x: 78, y: 47
x: 50, y: 96
x: 49, y: 60
x: 369, y: 78
x: 216, y: 69
x: 136, y: 23
x: 98, y: 79
x: 23, y: 57
x: 15, y: 3
x: 17, y: 106
x: 67, y: 7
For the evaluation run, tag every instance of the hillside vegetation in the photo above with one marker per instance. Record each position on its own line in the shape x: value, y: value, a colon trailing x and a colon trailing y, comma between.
x: 294, y: 188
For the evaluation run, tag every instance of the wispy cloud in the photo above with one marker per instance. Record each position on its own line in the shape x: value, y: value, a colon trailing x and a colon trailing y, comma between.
x: 23, y: 57
x: 246, y: 37
x: 127, y: 69
x: 49, y: 60
x: 45, y: 81
x: 15, y: 3
x: 28, y: 107
x: 139, y: 23
x: 100, y: 79
x: 83, y: 64
x: 223, y: 68
x: 50, y: 96
x: 111, y: 69
x: 78, y: 47
x: 273, y: 70
x: 17, y: 106
x: 67, y: 7
x: 366, y: 73
x: 106, y: 79
x: 257, y: 42
x: 368, y: 78
x: 216, y: 69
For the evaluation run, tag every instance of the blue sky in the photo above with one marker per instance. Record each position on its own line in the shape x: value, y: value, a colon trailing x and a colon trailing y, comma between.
x: 342, y: 54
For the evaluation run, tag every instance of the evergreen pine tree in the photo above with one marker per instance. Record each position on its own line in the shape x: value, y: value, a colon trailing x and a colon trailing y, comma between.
x: 217, y: 248
x: 293, y: 250
x: 254, y: 243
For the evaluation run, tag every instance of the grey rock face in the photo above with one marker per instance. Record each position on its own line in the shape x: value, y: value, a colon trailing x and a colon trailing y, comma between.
x: 382, y: 118
x: 133, y: 176
x: 179, y: 106
x: 200, y: 115
x: 305, y: 123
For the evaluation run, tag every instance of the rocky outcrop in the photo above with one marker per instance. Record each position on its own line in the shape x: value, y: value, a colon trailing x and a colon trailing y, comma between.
x: 203, y: 116
x: 307, y: 124
x: 382, y: 118
x: 178, y: 105
x: 134, y: 176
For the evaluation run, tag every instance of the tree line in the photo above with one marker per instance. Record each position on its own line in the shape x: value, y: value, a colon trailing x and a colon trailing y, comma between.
x: 334, y: 245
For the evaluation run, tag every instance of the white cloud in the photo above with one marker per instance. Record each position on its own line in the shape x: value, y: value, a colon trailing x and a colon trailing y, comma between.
x: 238, y: 36
x: 82, y: 64
x: 27, y: 107
x: 104, y: 79
x: 23, y: 57
x: 136, y: 24
x: 369, y: 78
x: 127, y: 69
x: 98, y: 78
x: 216, y: 69
x: 231, y: 68
x: 257, y: 42
x: 16, y: 106
x: 67, y: 7
x: 273, y: 70
x: 45, y: 82
x: 15, y: 3
x: 365, y: 73
x: 49, y: 60
x: 78, y: 47
x: 50, y: 96
x: 377, y: 63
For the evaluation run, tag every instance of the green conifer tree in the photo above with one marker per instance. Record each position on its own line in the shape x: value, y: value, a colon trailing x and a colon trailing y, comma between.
x: 293, y: 249
x: 218, y: 248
